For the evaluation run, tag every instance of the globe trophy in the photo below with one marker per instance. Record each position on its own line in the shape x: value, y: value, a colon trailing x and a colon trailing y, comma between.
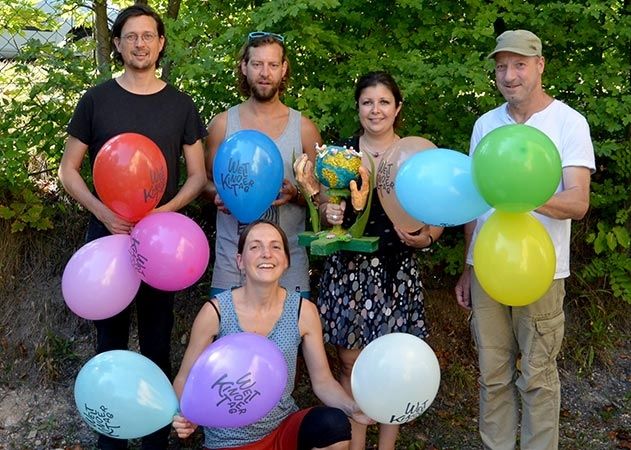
x: 335, y: 168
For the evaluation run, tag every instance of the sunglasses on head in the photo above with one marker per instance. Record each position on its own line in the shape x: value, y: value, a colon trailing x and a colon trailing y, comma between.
x: 261, y: 34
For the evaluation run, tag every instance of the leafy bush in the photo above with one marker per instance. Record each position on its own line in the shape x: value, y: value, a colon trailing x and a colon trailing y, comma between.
x: 436, y: 50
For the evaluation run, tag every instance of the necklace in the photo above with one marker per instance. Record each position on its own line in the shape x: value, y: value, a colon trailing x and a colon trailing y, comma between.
x: 374, y: 153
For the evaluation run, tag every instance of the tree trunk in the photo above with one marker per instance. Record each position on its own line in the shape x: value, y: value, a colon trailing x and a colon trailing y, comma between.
x: 173, y: 10
x: 627, y: 11
x: 102, y: 35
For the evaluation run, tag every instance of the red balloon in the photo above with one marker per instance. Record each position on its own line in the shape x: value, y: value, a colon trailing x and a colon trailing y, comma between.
x: 395, y: 156
x: 130, y: 175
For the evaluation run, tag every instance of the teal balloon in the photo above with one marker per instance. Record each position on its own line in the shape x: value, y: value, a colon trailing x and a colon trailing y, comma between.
x: 248, y: 172
x: 435, y: 187
x: 124, y: 395
x: 516, y: 168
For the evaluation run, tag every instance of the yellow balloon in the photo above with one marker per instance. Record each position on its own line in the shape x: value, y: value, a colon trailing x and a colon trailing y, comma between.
x: 514, y: 258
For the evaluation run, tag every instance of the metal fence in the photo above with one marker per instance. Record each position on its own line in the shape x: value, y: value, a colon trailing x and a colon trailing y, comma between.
x: 28, y: 33
x: 46, y: 22
x: 25, y: 30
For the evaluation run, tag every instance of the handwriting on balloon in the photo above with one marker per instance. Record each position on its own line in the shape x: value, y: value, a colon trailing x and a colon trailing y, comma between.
x: 412, y: 410
x: 100, y: 419
x: 236, y: 394
x: 137, y: 260
x: 238, y: 177
x: 385, y: 183
x: 158, y: 183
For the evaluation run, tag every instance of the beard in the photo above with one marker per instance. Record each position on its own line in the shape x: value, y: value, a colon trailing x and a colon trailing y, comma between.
x: 144, y: 65
x: 266, y: 93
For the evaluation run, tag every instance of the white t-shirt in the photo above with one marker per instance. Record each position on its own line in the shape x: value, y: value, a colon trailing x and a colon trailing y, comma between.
x: 569, y: 131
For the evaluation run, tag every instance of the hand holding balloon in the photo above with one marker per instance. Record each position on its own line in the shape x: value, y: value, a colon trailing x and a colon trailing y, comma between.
x: 420, y: 239
x: 358, y: 416
x: 183, y: 427
x: 287, y: 192
x: 221, y: 206
x: 112, y: 221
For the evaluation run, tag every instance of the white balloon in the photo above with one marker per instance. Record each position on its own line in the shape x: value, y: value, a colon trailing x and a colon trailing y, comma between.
x: 395, y: 378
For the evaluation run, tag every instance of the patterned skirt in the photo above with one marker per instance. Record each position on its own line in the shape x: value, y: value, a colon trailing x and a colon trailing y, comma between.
x: 364, y: 296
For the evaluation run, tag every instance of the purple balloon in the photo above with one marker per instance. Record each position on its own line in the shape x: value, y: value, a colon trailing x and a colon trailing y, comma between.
x: 99, y: 280
x: 234, y: 382
x: 169, y: 251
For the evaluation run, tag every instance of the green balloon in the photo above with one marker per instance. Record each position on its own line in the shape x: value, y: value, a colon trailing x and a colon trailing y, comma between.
x: 516, y: 168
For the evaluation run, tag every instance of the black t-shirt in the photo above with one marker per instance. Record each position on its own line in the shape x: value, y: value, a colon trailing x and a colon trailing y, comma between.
x: 168, y: 117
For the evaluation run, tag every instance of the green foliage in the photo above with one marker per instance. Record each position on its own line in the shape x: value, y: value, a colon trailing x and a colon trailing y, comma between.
x: 39, y: 92
x: 26, y: 210
x: 436, y: 51
x: 16, y: 16
x: 609, y: 234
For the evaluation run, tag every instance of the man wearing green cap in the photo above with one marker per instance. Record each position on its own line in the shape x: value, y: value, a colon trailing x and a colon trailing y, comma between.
x: 517, y: 346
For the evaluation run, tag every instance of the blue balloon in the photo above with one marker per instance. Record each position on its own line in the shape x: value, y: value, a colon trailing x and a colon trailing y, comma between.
x: 124, y: 395
x: 436, y: 187
x: 248, y: 172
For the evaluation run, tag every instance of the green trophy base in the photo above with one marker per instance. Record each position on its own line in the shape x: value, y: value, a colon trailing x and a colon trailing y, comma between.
x: 324, y: 244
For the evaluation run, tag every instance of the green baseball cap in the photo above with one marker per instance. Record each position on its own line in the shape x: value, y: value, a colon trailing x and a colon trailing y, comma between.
x: 522, y: 42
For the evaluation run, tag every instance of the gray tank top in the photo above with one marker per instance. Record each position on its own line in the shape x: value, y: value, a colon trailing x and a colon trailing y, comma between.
x: 290, y: 217
x: 285, y: 334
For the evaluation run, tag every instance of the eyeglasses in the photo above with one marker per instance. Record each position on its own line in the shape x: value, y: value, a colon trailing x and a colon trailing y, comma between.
x: 147, y: 38
x: 261, y: 34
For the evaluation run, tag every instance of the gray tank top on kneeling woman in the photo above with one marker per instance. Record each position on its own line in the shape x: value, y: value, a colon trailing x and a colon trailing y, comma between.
x: 291, y: 217
x: 286, y: 335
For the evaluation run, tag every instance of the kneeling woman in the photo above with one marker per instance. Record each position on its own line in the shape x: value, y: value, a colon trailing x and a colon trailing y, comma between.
x: 262, y: 306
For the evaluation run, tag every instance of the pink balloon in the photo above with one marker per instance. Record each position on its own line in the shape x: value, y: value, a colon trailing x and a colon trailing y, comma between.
x: 99, y: 280
x: 169, y: 251
x: 234, y: 382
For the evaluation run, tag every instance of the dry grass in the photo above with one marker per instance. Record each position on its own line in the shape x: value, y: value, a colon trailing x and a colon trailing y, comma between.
x: 38, y: 333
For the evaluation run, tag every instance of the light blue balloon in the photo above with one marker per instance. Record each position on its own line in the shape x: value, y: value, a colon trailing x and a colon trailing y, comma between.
x: 248, y: 172
x: 124, y: 395
x: 436, y: 187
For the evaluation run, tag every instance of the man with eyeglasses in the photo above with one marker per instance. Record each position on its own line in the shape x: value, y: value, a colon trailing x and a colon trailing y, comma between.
x: 136, y: 101
x: 263, y: 72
